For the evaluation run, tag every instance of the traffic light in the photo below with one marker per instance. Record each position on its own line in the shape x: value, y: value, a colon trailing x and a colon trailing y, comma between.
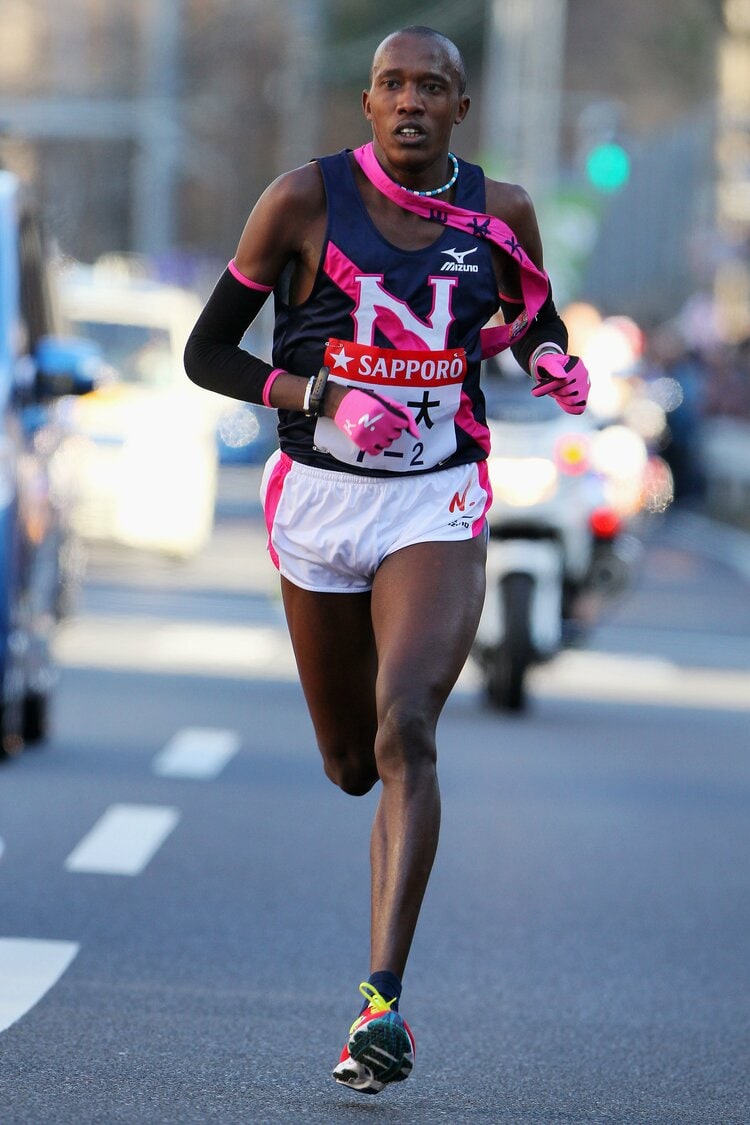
x: 608, y: 167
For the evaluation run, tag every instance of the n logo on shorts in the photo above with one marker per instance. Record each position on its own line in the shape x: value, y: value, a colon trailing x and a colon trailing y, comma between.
x: 458, y: 501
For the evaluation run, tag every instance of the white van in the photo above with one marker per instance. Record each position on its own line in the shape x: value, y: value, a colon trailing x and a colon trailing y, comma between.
x: 144, y: 462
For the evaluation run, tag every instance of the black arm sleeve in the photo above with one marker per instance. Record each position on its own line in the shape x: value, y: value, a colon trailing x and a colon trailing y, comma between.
x: 213, y: 358
x: 545, y: 328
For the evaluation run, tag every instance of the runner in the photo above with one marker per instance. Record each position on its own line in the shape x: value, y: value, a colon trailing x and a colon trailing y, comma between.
x: 385, y: 264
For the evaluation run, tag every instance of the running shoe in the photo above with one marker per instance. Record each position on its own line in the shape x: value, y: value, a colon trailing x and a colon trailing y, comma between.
x: 380, y: 1048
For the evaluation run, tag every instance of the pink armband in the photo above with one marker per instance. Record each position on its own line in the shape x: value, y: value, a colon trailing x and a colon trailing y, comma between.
x: 270, y: 382
x: 246, y: 280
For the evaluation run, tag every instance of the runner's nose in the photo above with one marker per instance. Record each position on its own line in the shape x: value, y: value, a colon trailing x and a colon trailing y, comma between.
x: 409, y: 101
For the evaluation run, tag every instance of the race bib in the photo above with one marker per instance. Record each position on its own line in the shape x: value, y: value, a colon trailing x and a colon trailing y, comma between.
x: 428, y: 383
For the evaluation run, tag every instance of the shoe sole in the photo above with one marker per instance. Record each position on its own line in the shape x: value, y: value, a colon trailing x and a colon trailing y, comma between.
x: 384, y: 1047
x: 356, y: 1076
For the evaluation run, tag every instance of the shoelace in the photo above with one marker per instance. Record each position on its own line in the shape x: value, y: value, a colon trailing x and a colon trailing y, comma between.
x: 375, y: 1002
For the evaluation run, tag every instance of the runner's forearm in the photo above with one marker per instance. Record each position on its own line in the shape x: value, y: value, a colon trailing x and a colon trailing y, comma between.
x: 545, y: 328
x: 213, y: 358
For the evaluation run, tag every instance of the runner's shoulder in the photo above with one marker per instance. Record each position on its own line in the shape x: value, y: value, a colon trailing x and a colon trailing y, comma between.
x: 299, y: 193
x: 509, y: 202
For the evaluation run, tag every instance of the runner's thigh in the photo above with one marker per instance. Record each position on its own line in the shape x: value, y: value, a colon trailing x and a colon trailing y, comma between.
x: 426, y: 604
x: 334, y: 648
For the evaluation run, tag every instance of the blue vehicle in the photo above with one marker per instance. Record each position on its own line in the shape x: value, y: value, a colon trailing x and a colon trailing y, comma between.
x: 38, y: 369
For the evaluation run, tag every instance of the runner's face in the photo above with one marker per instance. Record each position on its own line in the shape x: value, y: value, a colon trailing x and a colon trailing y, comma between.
x: 413, y: 103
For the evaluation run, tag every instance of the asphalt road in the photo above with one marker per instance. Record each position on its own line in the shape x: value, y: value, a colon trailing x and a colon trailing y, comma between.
x: 183, y: 895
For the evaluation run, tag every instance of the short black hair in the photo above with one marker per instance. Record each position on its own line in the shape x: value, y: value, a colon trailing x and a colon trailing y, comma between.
x: 450, y: 48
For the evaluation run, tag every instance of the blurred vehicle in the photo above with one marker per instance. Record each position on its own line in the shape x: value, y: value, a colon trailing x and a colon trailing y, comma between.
x: 38, y: 369
x: 556, y: 545
x: 144, y: 455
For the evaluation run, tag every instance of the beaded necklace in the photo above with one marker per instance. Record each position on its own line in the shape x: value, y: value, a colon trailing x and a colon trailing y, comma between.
x: 439, y: 190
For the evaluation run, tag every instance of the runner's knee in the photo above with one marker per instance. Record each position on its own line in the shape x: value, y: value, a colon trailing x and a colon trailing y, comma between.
x: 406, y: 740
x: 350, y: 769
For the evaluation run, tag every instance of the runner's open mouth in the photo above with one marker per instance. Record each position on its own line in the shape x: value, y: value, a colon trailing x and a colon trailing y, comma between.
x: 410, y: 132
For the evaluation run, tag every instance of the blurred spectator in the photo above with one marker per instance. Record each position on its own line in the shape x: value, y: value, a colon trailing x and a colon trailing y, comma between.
x: 682, y: 375
x: 729, y: 381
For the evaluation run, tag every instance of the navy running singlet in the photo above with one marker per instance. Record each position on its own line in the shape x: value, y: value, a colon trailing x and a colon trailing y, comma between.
x: 405, y: 323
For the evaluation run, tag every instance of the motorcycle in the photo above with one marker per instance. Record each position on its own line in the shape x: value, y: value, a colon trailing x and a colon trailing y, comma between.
x: 557, y: 548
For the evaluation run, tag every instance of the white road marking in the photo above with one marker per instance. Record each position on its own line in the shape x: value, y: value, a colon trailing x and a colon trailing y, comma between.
x: 262, y: 653
x: 28, y: 968
x: 123, y: 840
x: 196, y: 752
x: 181, y: 647
x: 638, y: 679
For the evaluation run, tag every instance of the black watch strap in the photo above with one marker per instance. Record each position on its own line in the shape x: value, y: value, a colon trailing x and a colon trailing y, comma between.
x: 317, y: 392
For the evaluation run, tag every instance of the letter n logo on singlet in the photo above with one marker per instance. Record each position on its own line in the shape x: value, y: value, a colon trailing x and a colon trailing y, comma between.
x: 376, y: 307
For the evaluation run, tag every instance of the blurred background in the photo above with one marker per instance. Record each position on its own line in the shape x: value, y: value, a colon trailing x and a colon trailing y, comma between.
x: 150, y: 129
x: 154, y: 126
x: 180, y: 885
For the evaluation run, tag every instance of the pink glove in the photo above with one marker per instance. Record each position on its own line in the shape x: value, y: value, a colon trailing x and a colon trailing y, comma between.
x: 372, y: 421
x: 565, y: 378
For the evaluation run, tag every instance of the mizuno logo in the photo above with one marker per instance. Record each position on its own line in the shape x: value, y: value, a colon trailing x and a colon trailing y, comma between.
x: 458, y: 265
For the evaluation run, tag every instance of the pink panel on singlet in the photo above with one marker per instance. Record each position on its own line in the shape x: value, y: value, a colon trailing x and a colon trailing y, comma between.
x: 481, y: 435
x: 341, y: 270
x: 272, y: 498
x: 246, y: 280
x: 468, y: 423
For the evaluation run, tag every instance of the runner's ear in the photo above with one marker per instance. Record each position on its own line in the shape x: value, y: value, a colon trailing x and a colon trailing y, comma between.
x: 463, y: 109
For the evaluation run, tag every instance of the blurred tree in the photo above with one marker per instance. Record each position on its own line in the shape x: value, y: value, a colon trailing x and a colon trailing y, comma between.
x: 75, y: 96
x: 232, y: 49
x: 655, y: 59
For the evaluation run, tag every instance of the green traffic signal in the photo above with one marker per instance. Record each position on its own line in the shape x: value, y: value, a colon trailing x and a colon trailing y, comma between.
x: 608, y: 167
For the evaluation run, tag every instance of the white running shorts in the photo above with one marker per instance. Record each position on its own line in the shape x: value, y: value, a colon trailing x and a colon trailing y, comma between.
x: 330, y: 531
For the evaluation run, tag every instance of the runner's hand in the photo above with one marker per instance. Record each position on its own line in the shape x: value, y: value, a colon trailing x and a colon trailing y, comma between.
x: 565, y: 378
x: 372, y: 421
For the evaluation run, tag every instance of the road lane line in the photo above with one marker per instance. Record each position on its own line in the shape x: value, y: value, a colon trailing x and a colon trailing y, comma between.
x: 607, y: 677
x: 123, y: 840
x: 196, y: 752
x: 261, y: 654
x: 28, y: 968
x: 181, y: 647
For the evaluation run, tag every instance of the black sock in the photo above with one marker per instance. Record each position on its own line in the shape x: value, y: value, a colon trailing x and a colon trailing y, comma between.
x: 388, y: 985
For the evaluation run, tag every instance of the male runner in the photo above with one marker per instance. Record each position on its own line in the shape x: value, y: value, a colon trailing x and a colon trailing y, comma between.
x: 385, y: 266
